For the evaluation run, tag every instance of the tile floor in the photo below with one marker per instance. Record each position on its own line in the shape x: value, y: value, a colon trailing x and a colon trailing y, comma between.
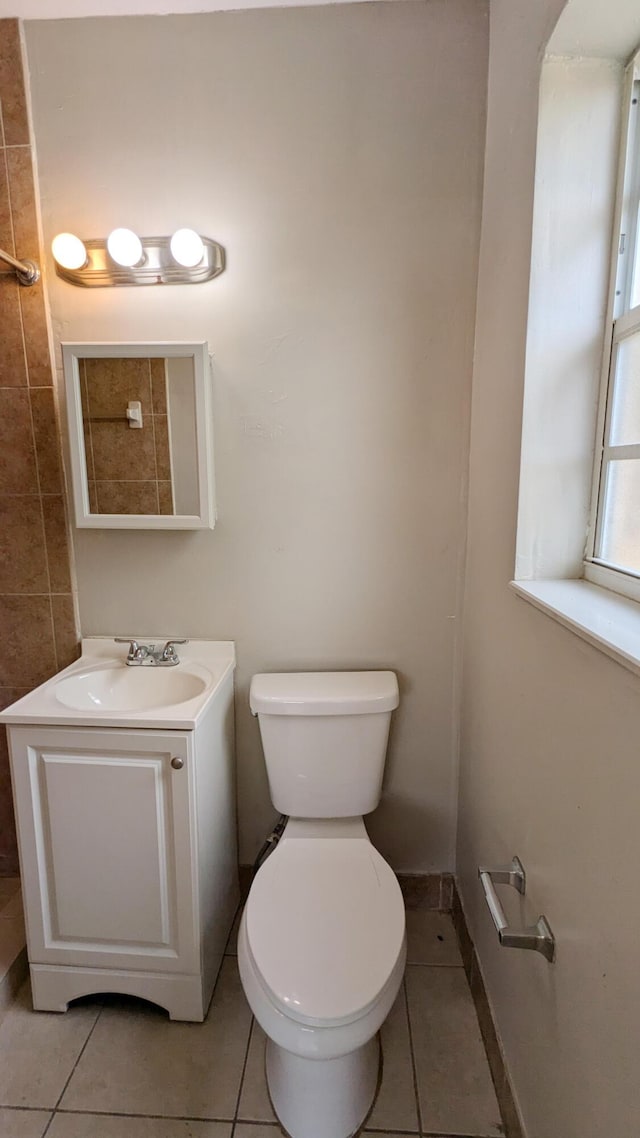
x: 113, y: 1067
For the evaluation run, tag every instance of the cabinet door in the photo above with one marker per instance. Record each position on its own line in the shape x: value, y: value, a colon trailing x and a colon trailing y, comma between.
x: 105, y: 823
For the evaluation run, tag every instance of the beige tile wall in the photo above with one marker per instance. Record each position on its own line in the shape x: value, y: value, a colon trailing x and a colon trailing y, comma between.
x: 37, y: 622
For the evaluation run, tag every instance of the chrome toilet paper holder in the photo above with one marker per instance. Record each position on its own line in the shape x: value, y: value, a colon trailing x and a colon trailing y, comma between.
x: 536, y: 938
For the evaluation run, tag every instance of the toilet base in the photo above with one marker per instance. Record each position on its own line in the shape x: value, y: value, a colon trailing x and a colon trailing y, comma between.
x: 322, y: 1098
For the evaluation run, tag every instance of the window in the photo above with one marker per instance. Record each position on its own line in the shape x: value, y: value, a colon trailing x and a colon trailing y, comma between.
x: 613, y: 556
x: 583, y: 293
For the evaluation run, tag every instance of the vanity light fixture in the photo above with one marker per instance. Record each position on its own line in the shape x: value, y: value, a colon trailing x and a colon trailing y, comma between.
x: 125, y: 248
x: 187, y: 248
x: 69, y: 251
x: 126, y: 259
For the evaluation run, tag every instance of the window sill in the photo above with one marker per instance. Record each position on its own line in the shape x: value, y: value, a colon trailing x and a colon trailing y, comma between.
x: 604, y: 619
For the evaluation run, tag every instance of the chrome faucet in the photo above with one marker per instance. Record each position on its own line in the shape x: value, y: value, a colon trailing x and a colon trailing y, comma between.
x: 149, y: 655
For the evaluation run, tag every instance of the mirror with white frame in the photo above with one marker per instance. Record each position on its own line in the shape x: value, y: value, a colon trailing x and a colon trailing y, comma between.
x: 139, y: 419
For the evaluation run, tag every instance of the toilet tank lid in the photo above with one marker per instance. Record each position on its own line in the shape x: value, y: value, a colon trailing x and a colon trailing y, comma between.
x: 323, y: 693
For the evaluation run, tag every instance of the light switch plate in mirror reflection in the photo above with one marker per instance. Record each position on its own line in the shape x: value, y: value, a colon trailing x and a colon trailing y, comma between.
x: 140, y: 434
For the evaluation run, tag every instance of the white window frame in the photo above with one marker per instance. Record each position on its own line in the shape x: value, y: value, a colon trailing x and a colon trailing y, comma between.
x: 622, y: 321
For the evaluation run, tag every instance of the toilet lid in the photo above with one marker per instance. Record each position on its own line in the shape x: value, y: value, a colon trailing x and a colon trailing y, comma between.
x: 325, y: 927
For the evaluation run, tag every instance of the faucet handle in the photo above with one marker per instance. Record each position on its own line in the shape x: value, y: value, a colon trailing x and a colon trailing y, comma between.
x: 169, y: 653
x: 134, y: 648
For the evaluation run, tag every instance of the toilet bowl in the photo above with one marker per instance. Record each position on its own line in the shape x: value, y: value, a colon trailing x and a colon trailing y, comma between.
x: 321, y: 952
x: 322, y: 946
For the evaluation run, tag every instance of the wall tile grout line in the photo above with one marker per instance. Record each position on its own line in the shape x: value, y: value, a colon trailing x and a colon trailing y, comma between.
x: 47, y: 556
x: 31, y: 593
x: 124, y: 481
x: 15, y: 254
x: 153, y: 435
x: 34, y: 593
x: 34, y: 443
x: 11, y: 227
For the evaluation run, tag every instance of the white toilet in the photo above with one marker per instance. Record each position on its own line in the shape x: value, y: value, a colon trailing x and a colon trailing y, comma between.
x: 322, y: 944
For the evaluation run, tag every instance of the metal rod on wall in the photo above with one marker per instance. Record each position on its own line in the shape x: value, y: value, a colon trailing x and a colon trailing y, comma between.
x: 27, y: 272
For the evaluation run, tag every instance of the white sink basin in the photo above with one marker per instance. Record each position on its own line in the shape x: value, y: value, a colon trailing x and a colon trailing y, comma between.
x: 126, y: 688
x: 101, y: 690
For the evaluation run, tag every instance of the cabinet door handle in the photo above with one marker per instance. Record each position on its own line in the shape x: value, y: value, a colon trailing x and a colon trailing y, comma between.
x: 177, y: 763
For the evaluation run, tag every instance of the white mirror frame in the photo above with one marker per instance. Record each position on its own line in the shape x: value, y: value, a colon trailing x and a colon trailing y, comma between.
x: 71, y: 355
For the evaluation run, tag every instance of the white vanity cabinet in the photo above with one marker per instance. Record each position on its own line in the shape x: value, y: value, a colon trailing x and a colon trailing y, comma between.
x: 128, y: 857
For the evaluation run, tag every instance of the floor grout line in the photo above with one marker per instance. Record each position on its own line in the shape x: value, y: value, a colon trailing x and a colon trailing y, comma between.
x: 431, y: 964
x: 411, y: 1052
x: 395, y: 1130
x: 221, y: 1121
x: 72, y: 1072
x: 259, y: 1122
x: 244, y: 1069
x: 36, y: 1109
x: 130, y: 1114
x: 255, y: 1122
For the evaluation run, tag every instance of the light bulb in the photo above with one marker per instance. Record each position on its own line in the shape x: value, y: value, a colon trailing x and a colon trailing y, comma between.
x: 187, y: 248
x: 125, y: 248
x: 69, y: 251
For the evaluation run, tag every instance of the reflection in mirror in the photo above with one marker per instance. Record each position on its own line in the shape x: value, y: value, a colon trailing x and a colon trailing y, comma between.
x: 140, y: 435
x: 138, y: 418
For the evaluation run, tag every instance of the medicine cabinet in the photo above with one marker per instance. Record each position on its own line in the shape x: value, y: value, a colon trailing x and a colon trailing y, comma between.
x: 140, y: 435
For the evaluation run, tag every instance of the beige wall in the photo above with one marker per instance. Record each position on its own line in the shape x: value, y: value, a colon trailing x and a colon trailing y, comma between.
x: 549, y: 764
x: 577, y: 148
x: 337, y: 154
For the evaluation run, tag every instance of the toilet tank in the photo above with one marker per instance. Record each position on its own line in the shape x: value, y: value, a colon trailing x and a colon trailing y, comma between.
x: 324, y: 736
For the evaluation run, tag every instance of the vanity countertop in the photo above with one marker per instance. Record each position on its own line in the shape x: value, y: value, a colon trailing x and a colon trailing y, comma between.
x: 101, y: 690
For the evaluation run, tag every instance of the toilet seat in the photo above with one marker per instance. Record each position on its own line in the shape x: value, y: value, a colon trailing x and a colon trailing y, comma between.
x: 325, y: 928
